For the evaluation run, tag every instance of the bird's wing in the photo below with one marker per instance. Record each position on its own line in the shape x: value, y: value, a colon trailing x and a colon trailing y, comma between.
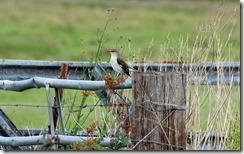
x: 123, y: 65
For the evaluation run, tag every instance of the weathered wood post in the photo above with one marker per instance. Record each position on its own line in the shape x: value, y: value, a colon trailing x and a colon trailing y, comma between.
x: 158, y: 113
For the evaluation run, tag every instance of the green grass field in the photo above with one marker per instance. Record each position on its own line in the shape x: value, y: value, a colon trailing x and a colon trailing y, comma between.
x: 68, y: 30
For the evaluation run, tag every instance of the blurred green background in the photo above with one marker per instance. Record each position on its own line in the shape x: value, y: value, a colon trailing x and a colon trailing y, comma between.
x: 68, y: 30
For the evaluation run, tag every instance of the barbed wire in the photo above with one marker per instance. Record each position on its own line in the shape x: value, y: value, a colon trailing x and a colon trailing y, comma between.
x: 62, y: 106
x: 162, y: 107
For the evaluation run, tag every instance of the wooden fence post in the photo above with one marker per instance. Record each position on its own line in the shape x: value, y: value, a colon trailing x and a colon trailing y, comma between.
x: 158, y: 113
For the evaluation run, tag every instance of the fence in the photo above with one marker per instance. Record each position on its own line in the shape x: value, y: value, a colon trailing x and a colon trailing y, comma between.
x: 22, y: 75
x: 17, y: 70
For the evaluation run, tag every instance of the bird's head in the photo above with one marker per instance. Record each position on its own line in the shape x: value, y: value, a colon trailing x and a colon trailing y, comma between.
x: 114, y: 52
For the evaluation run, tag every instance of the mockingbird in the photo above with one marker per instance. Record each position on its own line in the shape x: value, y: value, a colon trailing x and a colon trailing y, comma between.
x: 118, y: 64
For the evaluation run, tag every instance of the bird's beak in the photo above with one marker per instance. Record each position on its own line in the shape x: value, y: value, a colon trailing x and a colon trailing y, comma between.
x: 108, y: 51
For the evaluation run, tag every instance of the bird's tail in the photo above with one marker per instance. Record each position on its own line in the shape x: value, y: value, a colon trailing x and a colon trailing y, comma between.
x: 134, y: 70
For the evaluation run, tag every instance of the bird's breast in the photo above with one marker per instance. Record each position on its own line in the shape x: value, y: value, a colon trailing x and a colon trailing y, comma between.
x: 115, y: 65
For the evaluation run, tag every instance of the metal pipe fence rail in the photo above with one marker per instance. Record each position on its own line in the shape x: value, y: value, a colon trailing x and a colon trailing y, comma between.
x: 47, y: 139
x: 206, y: 143
x: 38, y: 82
x: 225, y: 73
x: 20, y: 75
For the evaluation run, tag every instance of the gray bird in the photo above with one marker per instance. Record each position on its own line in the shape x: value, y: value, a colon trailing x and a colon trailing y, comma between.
x: 117, y: 63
